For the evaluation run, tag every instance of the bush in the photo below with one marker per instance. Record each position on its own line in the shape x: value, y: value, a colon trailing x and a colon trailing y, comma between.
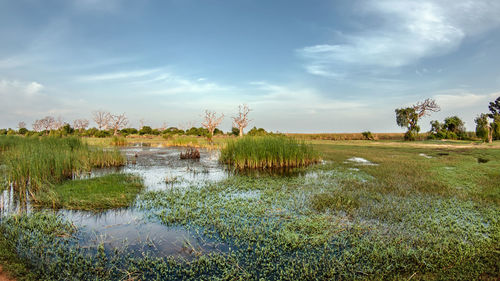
x: 367, y: 135
x: 102, y: 134
x: 145, y: 130
x: 256, y: 132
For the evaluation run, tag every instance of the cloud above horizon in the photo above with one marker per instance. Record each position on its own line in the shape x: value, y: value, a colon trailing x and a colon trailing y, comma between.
x: 406, y: 31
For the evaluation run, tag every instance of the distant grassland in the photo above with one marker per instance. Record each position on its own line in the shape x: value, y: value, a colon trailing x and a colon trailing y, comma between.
x: 350, y: 136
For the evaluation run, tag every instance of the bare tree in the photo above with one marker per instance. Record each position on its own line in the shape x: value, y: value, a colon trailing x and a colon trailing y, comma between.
x: 80, y: 124
x: 142, y: 122
x: 47, y: 123
x: 101, y: 118
x: 37, y: 126
x: 163, y: 126
x: 241, y: 121
x: 426, y: 107
x: 211, y: 122
x: 57, y: 124
x: 21, y: 125
x: 117, y: 122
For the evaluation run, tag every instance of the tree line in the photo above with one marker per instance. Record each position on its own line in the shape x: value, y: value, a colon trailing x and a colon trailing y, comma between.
x: 108, y: 124
x: 487, y: 124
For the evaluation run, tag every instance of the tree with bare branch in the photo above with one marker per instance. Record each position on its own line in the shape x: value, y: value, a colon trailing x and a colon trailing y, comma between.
x: 101, y: 118
x: 117, y: 122
x: 37, y: 126
x: 408, y: 117
x: 80, y: 124
x: 47, y: 123
x: 21, y: 125
x: 211, y: 122
x: 241, y: 121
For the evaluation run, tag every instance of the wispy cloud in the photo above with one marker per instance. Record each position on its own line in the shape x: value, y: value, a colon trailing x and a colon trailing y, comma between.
x: 119, y: 75
x: 409, y: 31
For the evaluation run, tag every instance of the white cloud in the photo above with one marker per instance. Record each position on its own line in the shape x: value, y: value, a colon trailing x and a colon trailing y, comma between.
x: 464, y: 100
x: 408, y: 32
x: 119, y: 75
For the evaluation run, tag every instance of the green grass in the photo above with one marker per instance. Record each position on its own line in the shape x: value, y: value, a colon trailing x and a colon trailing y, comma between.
x: 268, y: 152
x: 35, y: 163
x: 106, y: 192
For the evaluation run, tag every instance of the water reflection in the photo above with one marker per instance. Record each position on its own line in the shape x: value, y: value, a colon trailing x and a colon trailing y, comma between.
x: 160, y: 168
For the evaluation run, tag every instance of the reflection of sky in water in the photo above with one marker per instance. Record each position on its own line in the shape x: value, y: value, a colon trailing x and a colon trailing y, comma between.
x: 129, y: 226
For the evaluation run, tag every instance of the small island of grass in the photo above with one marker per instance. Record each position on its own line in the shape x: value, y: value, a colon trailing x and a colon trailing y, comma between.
x: 106, y: 192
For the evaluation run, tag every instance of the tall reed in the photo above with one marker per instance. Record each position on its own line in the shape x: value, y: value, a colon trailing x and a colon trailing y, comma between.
x: 268, y: 152
x: 35, y: 162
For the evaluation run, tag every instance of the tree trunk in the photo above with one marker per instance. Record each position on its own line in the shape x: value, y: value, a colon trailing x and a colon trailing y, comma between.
x: 490, y: 134
x: 241, y: 132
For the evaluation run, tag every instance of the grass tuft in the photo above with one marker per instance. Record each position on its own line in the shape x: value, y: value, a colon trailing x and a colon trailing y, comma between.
x: 268, y: 152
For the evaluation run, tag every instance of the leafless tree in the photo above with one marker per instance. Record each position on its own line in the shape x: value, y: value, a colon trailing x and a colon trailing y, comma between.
x: 57, y: 124
x: 142, y: 122
x: 163, y: 126
x: 21, y: 125
x: 46, y: 124
x: 241, y: 121
x: 211, y: 122
x: 80, y: 124
x: 101, y: 118
x: 37, y: 126
x: 426, y: 107
x: 118, y: 122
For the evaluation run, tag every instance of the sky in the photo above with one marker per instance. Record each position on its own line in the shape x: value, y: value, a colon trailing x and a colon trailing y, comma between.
x: 302, y: 66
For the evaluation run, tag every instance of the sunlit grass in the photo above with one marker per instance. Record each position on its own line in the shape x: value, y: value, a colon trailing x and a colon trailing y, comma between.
x: 32, y: 163
x: 268, y: 152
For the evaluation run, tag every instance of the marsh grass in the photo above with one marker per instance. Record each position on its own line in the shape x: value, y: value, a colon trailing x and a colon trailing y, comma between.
x: 95, y: 194
x: 267, y: 152
x: 32, y: 163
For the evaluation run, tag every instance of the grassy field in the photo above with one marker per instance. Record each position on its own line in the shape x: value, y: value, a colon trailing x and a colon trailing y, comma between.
x: 383, y: 210
x: 95, y: 194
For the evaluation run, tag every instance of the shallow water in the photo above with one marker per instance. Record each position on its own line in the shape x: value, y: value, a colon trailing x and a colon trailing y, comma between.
x: 130, y: 227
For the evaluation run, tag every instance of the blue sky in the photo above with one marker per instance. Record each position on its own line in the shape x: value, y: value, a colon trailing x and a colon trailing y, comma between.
x: 301, y: 66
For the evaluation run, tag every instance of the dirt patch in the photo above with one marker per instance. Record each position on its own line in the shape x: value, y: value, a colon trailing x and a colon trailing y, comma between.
x: 4, y: 276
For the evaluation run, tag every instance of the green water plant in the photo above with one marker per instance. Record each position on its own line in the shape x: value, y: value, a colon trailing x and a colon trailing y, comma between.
x: 268, y: 152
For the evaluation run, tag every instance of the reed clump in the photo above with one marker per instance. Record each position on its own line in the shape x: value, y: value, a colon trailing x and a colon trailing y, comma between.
x: 268, y: 152
x: 32, y: 163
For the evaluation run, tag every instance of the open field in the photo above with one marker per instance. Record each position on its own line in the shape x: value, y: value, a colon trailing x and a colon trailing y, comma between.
x: 373, y: 210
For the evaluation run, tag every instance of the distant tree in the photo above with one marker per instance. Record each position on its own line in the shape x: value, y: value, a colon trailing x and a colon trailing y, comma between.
x: 37, y: 126
x: 257, y: 132
x: 21, y: 125
x: 211, y: 122
x: 66, y: 129
x: 367, y: 135
x: 483, y: 127
x: 101, y: 118
x: 117, y: 122
x: 241, y: 120
x: 494, y: 108
x: 47, y: 123
x: 235, y: 131
x: 145, y: 130
x: 455, y: 125
x: 80, y: 124
x: 408, y: 117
